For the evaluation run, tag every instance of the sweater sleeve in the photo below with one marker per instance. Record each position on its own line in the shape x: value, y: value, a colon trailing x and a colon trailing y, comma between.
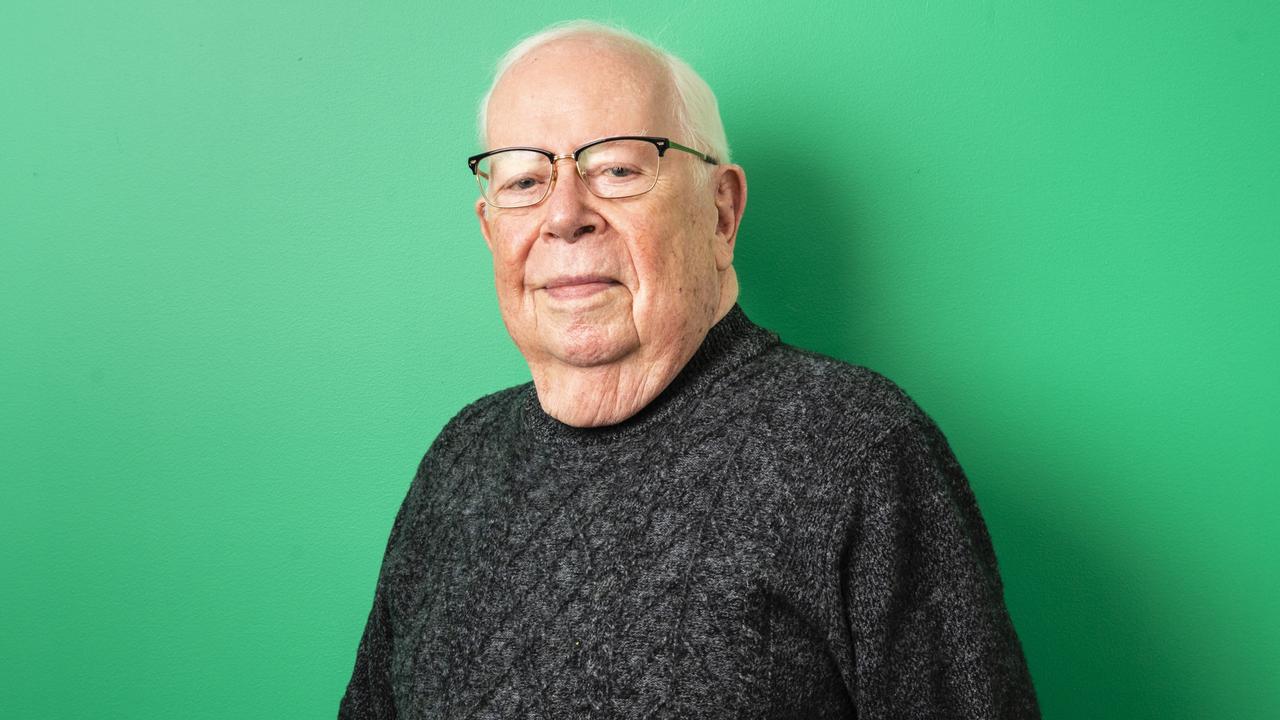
x: 929, y: 633
x: 369, y: 694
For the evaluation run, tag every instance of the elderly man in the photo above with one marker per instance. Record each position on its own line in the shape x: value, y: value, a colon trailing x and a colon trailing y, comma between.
x: 681, y: 516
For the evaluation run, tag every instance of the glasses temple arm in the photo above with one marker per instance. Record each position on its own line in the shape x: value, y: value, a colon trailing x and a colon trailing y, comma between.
x: 705, y: 157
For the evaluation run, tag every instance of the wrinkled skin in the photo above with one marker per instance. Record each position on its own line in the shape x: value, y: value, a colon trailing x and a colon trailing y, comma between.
x: 606, y: 299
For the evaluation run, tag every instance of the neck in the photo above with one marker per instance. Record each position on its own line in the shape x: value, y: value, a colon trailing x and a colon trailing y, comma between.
x: 610, y: 393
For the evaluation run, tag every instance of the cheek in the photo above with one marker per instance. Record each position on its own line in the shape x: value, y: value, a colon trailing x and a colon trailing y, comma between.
x: 511, y: 246
x: 691, y: 244
x: 671, y: 264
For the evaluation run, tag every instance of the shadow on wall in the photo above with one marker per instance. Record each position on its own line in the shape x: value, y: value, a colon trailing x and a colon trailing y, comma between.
x: 1093, y: 636
x: 1100, y: 635
x: 796, y: 249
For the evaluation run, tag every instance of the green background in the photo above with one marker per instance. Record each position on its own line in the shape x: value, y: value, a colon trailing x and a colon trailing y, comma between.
x: 241, y: 289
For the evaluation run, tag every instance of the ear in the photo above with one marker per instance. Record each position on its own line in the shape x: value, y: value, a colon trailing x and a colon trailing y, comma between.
x: 484, y: 223
x: 731, y: 200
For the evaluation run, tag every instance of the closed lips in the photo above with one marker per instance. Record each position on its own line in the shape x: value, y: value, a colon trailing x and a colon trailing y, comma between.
x: 577, y: 280
x: 578, y: 285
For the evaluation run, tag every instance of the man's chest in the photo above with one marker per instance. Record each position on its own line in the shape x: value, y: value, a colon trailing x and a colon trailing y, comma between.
x: 665, y: 593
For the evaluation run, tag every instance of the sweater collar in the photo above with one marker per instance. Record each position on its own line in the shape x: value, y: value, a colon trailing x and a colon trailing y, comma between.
x: 729, y: 344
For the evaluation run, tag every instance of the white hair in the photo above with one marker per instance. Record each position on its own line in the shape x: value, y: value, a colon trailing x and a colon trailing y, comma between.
x: 697, y: 113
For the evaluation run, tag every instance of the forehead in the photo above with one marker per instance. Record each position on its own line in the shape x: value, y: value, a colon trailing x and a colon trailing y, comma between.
x: 566, y: 93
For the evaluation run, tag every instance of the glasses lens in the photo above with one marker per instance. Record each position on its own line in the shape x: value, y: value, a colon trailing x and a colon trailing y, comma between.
x: 619, y: 168
x: 514, y: 178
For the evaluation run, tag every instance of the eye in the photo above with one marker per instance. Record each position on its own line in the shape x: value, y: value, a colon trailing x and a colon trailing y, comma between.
x: 522, y: 183
x: 616, y: 173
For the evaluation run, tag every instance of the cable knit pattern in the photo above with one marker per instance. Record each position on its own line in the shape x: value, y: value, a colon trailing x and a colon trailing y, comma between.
x: 778, y: 535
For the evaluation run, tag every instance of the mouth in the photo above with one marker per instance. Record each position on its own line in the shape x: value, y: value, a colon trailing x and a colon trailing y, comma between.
x: 568, y: 287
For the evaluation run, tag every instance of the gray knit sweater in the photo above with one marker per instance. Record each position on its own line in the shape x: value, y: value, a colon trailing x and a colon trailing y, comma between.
x: 777, y: 535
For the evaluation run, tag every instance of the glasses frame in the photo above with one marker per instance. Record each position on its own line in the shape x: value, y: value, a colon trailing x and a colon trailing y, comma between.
x: 663, y: 144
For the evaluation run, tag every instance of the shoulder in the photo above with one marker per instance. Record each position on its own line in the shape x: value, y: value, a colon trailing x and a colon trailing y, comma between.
x: 825, y: 399
x: 468, y: 435
x: 490, y: 416
x: 853, y: 438
x: 495, y: 408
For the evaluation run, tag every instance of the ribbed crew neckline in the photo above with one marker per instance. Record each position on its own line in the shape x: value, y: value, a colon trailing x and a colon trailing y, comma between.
x: 729, y: 345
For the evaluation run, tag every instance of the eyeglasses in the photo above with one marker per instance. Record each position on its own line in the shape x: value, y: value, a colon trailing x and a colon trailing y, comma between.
x: 612, y: 167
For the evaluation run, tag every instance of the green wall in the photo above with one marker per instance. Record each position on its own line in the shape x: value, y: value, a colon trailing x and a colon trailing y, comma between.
x: 241, y: 289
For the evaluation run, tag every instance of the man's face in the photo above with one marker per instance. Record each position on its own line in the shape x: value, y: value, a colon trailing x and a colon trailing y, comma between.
x: 586, y: 281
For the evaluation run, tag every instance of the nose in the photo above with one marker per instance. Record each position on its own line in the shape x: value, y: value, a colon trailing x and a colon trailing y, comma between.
x: 570, y: 207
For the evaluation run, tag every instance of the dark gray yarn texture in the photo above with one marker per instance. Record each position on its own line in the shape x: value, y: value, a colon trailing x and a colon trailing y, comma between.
x: 778, y: 535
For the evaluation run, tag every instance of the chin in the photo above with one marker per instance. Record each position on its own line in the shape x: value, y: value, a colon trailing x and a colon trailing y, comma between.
x: 588, y: 345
